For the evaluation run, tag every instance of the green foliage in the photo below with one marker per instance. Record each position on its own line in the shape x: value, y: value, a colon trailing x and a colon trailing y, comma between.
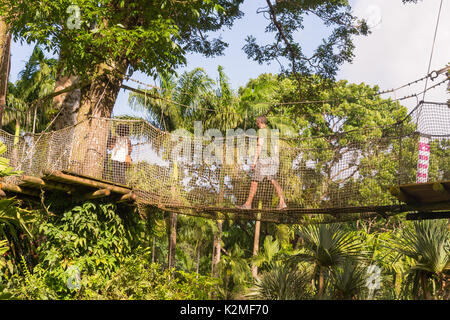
x: 281, y: 282
x: 328, y: 245
x: 151, y: 35
x: 92, y: 236
x: 270, y: 255
x: 15, y: 226
x: 36, y: 80
x: 234, y: 273
x: 286, y: 20
x: 427, y: 244
x: 5, y: 169
x: 348, y: 281
x: 136, y: 279
x: 139, y: 279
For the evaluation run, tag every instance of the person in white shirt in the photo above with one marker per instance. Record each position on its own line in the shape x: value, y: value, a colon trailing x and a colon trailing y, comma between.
x: 120, y: 146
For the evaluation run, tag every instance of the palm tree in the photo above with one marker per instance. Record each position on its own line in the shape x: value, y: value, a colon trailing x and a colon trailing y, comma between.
x: 427, y: 243
x: 36, y: 80
x: 327, y: 247
x: 234, y: 272
x: 5, y: 47
x: 196, y: 231
x: 174, y: 104
x: 281, y: 282
x: 348, y: 281
x: 267, y: 257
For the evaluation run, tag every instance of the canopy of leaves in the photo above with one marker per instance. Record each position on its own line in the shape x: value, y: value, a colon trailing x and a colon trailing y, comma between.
x: 286, y: 21
x: 151, y: 35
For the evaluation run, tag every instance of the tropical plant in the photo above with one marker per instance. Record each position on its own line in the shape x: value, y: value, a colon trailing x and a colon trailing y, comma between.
x: 281, y: 282
x: 327, y: 246
x: 348, y: 281
x: 271, y: 254
x: 194, y: 234
x: 5, y: 169
x: 137, y: 278
x: 234, y: 273
x: 427, y: 244
x: 92, y: 236
x: 15, y: 223
x: 36, y: 80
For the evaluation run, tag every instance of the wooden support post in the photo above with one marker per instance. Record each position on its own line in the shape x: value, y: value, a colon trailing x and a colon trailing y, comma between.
x: 254, y: 268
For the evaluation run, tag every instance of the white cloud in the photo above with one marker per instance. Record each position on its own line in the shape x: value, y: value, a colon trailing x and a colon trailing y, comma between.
x: 398, y: 50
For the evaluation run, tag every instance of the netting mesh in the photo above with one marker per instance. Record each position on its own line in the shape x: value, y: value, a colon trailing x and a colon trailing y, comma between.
x: 210, y: 174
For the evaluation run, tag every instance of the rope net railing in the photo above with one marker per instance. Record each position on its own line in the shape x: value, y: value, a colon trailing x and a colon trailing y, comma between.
x: 210, y: 174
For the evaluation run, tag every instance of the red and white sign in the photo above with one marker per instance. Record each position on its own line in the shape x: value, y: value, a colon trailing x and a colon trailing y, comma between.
x: 423, y: 161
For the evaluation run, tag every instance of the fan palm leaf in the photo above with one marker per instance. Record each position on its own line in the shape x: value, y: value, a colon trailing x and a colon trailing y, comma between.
x: 348, y: 281
x: 281, y: 282
x: 427, y: 244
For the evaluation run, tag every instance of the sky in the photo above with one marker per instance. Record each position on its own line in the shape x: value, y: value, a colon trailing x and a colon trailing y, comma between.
x: 397, y: 51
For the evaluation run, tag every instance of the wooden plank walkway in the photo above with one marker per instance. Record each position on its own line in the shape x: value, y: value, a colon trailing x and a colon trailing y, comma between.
x: 424, y: 198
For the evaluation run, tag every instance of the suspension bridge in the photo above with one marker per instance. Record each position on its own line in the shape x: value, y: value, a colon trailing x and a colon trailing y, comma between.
x: 364, y: 173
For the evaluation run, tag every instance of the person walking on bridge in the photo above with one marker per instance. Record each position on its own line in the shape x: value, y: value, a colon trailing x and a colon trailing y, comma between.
x: 264, y: 167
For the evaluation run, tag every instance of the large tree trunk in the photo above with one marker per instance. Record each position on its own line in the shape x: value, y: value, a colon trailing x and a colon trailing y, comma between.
x: 67, y: 103
x: 172, y: 240
x: 97, y: 101
x: 5, y: 47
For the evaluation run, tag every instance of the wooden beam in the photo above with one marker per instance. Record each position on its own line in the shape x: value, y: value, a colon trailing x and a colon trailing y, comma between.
x: 47, y: 184
x: 422, y: 207
x: 101, y: 193
x: 86, y: 182
x: 17, y: 189
x: 428, y: 215
x: 127, y: 197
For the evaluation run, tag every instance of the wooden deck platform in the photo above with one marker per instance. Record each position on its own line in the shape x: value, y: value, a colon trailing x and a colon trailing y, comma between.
x: 75, y: 187
x: 432, y: 199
